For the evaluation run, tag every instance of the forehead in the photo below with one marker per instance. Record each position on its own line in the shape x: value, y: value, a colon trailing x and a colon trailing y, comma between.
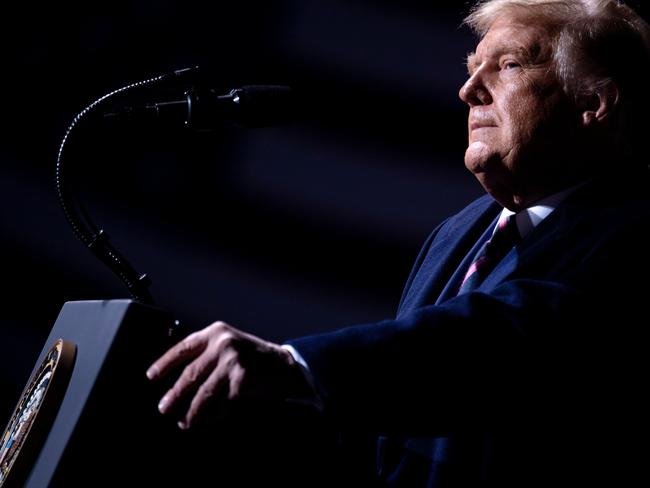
x: 515, y: 35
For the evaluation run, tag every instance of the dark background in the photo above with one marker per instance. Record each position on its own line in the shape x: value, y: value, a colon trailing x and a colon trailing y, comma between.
x: 281, y: 231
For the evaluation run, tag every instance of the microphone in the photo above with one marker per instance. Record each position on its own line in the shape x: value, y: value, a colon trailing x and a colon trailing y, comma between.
x: 204, y: 110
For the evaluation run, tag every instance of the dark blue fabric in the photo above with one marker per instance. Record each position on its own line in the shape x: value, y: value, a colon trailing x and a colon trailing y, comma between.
x: 532, y: 379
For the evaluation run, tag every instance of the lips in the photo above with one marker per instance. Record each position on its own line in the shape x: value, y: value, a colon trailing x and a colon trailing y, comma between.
x: 480, y: 125
x: 479, y: 119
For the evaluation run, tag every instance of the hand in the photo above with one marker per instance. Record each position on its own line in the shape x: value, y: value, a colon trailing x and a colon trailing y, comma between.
x: 224, y: 366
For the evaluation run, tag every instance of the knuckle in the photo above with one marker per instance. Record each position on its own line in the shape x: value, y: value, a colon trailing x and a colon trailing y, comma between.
x: 227, y: 340
x: 207, y: 391
x: 191, y: 374
x: 219, y: 326
x: 184, y: 347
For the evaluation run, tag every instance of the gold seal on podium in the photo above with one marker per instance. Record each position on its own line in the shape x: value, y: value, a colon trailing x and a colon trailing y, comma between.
x: 36, y: 409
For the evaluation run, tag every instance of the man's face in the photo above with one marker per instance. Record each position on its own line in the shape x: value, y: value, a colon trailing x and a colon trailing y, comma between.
x: 520, y: 121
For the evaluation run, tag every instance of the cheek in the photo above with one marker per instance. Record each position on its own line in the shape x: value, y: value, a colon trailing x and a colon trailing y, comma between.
x: 529, y: 110
x: 523, y: 119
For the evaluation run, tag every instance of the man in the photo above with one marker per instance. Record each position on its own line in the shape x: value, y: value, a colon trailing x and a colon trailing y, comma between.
x: 513, y: 361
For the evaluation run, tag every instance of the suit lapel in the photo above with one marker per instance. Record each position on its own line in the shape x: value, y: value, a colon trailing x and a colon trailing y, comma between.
x: 555, y: 230
x: 448, y: 250
x: 454, y: 247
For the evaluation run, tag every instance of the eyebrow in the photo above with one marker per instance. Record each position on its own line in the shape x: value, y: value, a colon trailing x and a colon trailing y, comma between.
x: 470, y: 61
x: 531, y: 56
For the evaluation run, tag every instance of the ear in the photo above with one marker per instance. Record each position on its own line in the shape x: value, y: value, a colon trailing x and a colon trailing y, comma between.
x: 598, y: 107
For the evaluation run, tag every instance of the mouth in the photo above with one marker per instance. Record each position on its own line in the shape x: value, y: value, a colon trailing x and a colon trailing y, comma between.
x: 480, y: 125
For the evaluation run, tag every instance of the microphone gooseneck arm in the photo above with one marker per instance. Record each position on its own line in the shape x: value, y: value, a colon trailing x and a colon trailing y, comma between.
x: 93, y: 237
x: 204, y: 110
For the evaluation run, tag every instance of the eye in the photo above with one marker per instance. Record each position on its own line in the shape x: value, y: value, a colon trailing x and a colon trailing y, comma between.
x: 510, y: 65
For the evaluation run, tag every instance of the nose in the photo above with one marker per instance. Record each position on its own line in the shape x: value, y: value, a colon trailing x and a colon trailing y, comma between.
x: 474, y: 92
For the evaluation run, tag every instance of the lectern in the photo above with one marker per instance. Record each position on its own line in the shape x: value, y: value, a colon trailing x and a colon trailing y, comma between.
x: 88, y: 416
x: 106, y: 424
x: 87, y: 413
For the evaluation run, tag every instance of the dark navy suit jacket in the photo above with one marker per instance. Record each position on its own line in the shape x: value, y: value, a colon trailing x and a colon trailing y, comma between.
x: 533, y: 379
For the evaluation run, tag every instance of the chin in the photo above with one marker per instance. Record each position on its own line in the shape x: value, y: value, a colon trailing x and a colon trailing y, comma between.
x: 476, y: 166
x: 477, y: 157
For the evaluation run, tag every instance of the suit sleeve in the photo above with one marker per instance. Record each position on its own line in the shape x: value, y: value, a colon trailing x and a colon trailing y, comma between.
x: 528, y: 348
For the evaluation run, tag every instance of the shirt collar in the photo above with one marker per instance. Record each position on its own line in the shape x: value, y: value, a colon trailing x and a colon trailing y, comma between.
x: 530, y: 217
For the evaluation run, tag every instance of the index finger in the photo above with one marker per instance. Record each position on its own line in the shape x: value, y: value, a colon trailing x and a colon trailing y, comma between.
x: 188, y: 348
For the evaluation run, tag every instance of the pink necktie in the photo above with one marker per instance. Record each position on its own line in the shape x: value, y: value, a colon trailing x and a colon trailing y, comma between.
x: 505, y: 237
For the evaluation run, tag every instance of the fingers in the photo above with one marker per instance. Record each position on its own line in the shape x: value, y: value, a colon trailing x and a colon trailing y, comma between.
x: 188, y: 348
x: 203, y: 350
x: 221, y: 384
x: 189, y: 381
x: 223, y: 367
